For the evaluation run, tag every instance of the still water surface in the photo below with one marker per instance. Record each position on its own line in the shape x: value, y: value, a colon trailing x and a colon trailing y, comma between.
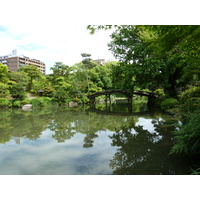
x: 59, y: 140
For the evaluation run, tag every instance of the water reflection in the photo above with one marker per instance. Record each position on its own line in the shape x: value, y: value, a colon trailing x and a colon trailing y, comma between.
x: 142, y: 147
x: 60, y: 140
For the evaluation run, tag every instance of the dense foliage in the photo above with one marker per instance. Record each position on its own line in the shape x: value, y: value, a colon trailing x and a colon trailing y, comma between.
x: 188, y: 137
x: 64, y: 84
x: 165, y: 58
x: 169, y: 103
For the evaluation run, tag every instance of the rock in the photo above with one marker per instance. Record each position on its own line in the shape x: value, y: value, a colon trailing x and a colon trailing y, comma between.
x: 73, y: 104
x: 27, y: 107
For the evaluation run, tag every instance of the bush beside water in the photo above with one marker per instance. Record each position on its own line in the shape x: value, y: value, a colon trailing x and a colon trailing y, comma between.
x: 188, y: 136
x: 4, y: 103
x: 169, y: 103
x: 41, y: 101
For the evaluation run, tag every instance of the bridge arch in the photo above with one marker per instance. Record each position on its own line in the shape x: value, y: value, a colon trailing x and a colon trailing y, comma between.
x: 127, y: 93
x: 107, y: 93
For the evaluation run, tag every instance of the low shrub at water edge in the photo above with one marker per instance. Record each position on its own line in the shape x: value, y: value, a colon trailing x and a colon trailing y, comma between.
x: 188, y: 137
x: 68, y: 100
x: 188, y: 141
x: 26, y: 101
x: 17, y: 104
x: 4, y: 103
x: 169, y: 103
x: 41, y: 101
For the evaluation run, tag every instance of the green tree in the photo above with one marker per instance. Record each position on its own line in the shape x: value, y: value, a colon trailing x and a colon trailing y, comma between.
x: 148, y: 69
x: 88, y: 64
x: 19, y: 77
x: 4, y: 90
x: 17, y: 91
x: 101, y: 76
x: 170, y: 39
x: 61, y: 70
x: 178, y: 40
x: 32, y: 71
x: 3, y: 73
x: 157, y: 56
x: 62, y: 90
x: 44, y: 84
x: 78, y: 81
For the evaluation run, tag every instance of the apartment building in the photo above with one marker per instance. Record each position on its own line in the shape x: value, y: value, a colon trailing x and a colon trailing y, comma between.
x: 100, y: 61
x: 14, y: 62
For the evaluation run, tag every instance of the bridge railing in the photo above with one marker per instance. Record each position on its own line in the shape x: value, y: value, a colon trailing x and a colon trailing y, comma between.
x: 126, y: 92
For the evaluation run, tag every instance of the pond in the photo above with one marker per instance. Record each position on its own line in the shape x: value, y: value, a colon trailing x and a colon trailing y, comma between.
x: 88, y: 141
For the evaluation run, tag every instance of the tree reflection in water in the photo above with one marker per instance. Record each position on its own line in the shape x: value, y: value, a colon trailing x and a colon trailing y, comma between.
x: 140, y: 144
x: 141, y: 151
x: 17, y: 123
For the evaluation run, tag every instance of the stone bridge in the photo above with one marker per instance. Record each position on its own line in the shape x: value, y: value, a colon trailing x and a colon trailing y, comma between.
x: 127, y: 93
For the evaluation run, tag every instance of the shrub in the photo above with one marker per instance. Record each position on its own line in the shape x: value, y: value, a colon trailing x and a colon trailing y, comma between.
x: 41, y: 101
x: 4, y: 92
x: 169, y: 103
x: 76, y: 99
x: 4, y: 103
x: 60, y: 95
x: 48, y: 91
x: 188, y: 137
x: 92, y: 90
x: 47, y: 100
x: 190, y: 93
x: 17, y: 104
x: 190, y: 101
x: 26, y: 101
x: 17, y: 91
x: 191, y: 106
x: 85, y: 99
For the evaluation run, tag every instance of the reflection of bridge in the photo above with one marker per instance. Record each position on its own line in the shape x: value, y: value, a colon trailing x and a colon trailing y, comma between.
x: 127, y: 93
x: 109, y: 112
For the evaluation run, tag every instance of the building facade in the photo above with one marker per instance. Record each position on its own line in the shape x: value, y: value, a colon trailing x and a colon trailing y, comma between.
x: 100, y: 61
x: 14, y: 62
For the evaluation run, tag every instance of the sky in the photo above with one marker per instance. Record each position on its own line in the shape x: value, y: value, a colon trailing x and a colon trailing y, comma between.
x: 52, y: 44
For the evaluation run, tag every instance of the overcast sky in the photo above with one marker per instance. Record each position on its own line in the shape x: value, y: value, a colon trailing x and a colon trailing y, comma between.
x: 52, y: 44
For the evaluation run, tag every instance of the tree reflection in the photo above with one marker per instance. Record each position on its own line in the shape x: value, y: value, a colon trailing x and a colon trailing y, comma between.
x: 19, y: 124
x: 63, y: 133
x: 5, y: 126
x: 62, y: 125
x: 89, y: 140
x: 141, y: 151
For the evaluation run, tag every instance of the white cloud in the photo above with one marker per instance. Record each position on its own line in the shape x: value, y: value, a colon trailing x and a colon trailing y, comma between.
x: 50, y: 43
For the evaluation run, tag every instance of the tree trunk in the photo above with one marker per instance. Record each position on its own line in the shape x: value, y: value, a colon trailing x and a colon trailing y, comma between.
x: 170, y: 91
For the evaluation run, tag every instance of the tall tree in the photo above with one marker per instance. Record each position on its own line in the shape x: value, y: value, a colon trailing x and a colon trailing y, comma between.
x: 32, y: 71
x: 154, y: 56
x: 61, y: 70
x: 3, y: 73
x: 88, y: 64
x: 19, y: 77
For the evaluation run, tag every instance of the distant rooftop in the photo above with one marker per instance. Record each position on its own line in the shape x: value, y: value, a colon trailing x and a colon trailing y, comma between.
x: 14, y: 54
